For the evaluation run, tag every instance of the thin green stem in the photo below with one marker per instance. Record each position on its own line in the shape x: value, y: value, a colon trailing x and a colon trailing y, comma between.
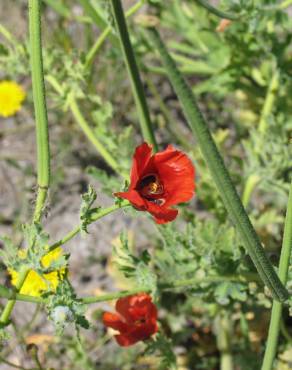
x: 9, y: 293
x: 8, y: 36
x: 101, y: 39
x: 137, y: 87
x: 100, y: 213
x: 224, y: 341
x: 172, y: 124
x: 5, y: 316
x: 269, y: 102
x: 59, y: 8
x: 93, y: 14
x: 220, y: 174
x: 38, y: 87
x: 250, y: 184
x: 91, y: 136
x: 90, y: 10
x: 275, y: 322
x: 215, y: 11
x: 85, y: 127
x: 42, y: 133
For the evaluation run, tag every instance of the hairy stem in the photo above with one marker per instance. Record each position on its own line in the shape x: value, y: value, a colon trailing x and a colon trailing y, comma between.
x: 42, y: 132
x: 38, y: 87
x: 100, y: 213
x: 137, y: 87
x: 272, y: 341
x: 220, y: 174
x: 8, y: 293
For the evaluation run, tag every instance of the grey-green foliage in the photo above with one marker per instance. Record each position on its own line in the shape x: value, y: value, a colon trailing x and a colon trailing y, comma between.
x: 270, y: 157
x: 137, y: 268
x: 204, y: 249
x: 14, y: 60
x: 200, y: 246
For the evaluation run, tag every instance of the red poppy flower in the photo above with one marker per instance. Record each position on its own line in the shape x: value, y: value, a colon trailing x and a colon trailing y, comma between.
x: 160, y: 181
x: 136, y: 319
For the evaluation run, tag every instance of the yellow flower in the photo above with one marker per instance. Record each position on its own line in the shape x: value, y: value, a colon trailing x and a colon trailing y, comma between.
x: 11, y: 97
x: 36, y: 284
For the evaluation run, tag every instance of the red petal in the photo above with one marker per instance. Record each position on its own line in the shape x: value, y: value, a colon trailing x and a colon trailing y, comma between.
x: 177, y: 173
x: 161, y: 215
x: 114, y: 321
x: 140, y: 161
x: 123, y: 308
x: 126, y: 340
x: 134, y: 197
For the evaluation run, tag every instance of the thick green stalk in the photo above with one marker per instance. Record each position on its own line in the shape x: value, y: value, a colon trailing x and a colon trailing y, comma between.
x: 220, y: 174
x: 99, y: 42
x: 94, y: 217
x: 38, y: 87
x: 216, y: 11
x: 137, y: 87
x: 275, y: 322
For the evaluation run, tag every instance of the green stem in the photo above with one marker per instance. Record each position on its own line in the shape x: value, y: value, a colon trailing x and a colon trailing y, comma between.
x: 59, y: 8
x: 5, y: 316
x: 100, y: 213
x: 274, y: 328
x: 9, y: 37
x: 42, y: 132
x: 216, y: 11
x: 38, y: 87
x: 137, y: 87
x: 269, y: 102
x: 73, y: 105
x: 9, y: 293
x: 172, y: 123
x: 223, y: 341
x: 220, y: 174
x: 250, y: 184
x: 92, y: 137
x: 97, y: 19
x: 92, y: 13
x: 99, y: 42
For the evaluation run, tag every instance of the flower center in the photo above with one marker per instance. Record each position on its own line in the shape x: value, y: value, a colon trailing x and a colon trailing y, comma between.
x: 150, y: 185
